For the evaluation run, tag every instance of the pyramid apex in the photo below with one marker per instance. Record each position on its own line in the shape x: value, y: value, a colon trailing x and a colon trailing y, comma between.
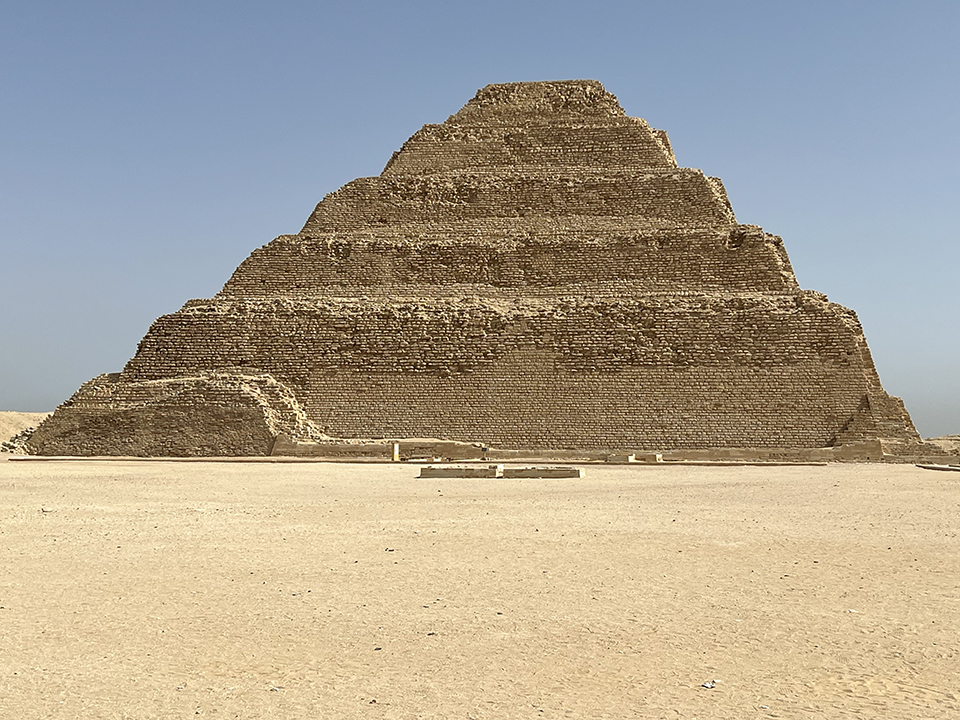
x: 550, y: 97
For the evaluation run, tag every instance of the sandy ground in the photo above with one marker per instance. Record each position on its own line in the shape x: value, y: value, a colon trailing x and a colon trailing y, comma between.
x: 161, y: 590
x: 13, y: 422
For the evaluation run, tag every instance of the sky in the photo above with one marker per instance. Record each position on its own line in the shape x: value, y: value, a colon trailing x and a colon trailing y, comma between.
x: 147, y: 148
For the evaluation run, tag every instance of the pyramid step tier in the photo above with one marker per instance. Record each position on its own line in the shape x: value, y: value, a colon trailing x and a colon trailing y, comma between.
x: 587, y: 259
x: 683, y: 196
x: 614, y: 145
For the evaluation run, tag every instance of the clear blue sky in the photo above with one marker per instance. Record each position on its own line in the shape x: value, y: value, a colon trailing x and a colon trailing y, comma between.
x: 147, y: 148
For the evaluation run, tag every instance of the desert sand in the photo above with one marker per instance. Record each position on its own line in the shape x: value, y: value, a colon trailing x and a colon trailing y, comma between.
x: 948, y: 443
x: 142, y: 589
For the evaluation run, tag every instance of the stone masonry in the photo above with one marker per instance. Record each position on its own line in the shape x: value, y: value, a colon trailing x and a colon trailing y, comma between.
x: 534, y: 273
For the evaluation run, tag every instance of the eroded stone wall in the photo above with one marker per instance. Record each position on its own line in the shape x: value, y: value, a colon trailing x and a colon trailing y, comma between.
x: 182, y: 415
x: 543, y: 259
x: 680, y: 196
x: 662, y: 371
x: 630, y: 142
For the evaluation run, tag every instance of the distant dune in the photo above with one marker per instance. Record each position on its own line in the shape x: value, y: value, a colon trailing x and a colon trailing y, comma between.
x: 949, y: 443
x: 13, y: 422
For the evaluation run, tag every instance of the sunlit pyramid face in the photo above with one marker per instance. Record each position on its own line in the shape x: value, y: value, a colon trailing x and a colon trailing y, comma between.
x: 534, y: 272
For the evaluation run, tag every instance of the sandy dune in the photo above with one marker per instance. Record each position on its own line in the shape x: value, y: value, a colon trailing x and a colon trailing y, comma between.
x: 157, y: 590
x: 13, y: 422
x: 948, y: 443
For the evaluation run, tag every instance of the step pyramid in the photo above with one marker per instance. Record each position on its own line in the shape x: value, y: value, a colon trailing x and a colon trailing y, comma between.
x: 535, y: 272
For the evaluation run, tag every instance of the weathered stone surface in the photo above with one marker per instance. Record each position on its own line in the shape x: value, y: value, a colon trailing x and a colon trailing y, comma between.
x: 210, y: 414
x: 535, y: 272
x: 469, y: 471
x: 542, y: 472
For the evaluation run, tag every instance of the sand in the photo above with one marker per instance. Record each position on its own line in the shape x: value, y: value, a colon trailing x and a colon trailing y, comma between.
x: 160, y: 590
x: 13, y: 422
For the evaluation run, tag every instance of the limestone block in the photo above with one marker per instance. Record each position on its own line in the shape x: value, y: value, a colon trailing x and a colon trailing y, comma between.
x: 542, y: 472
x: 462, y: 471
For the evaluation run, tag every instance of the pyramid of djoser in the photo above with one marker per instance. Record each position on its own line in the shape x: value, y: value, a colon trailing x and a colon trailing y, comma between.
x: 534, y: 273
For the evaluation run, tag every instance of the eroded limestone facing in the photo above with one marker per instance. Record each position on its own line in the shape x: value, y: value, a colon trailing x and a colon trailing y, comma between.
x: 535, y: 272
x: 215, y: 413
